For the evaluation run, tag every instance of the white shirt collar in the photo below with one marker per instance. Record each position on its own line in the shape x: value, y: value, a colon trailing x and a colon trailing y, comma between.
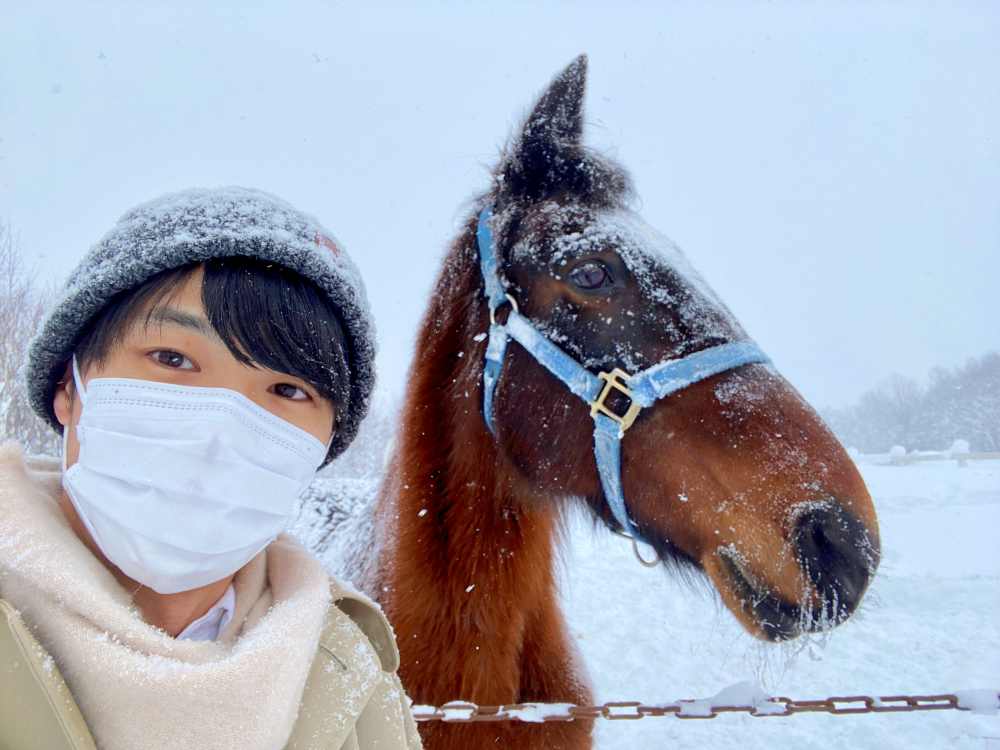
x: 209, y: 625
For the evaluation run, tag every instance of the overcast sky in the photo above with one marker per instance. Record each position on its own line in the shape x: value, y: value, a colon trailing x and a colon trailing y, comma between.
x: 833, y: 169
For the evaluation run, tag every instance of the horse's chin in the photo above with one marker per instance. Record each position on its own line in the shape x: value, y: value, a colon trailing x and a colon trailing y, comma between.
x: 763, y: 613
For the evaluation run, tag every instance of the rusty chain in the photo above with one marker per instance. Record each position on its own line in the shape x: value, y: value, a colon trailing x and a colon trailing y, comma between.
x: 461, y: 712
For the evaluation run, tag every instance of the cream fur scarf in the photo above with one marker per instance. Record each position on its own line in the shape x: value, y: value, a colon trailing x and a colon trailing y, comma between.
x: 136, y: 686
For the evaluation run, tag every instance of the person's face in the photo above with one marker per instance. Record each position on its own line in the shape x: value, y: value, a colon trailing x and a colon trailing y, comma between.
x: 179, y: 346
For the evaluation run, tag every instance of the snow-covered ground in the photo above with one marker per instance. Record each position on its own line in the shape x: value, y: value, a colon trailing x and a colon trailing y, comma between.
x: 930, y: 624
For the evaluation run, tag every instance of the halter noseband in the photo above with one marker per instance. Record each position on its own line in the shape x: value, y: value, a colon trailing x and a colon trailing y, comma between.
x: 642, y: 389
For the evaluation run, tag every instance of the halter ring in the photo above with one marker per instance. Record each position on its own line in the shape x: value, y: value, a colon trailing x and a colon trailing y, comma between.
x: 635, y: 550
x: 493, y: 310
x: 638, y: 556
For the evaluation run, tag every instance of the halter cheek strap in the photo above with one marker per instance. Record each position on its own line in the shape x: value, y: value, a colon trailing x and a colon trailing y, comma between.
x: 642, y: 390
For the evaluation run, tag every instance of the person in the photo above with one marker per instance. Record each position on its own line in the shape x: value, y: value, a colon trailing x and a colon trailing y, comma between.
x: 208, y: 356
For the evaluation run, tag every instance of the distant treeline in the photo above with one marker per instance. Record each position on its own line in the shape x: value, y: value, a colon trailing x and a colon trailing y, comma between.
x: 958, y: 404
x: 22, y: 304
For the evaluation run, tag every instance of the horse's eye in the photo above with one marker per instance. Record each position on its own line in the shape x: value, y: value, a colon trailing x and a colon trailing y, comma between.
x: 591, y: 276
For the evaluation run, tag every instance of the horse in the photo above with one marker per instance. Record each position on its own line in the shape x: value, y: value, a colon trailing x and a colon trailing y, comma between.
x: 731, y: 473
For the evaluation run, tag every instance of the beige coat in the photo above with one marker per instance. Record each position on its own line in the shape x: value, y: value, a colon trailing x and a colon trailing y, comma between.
x: 305, y: 663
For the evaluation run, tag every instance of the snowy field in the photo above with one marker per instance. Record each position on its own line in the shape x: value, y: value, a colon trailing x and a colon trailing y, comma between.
x: 930, y: 624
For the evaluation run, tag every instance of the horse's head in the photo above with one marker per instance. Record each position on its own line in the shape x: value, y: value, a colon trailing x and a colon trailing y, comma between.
x: 734, y: 474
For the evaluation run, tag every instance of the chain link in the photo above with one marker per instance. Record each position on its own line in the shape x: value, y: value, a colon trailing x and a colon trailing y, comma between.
x: 840, y: 705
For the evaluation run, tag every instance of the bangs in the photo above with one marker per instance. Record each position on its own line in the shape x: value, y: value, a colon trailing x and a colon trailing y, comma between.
x: 267, y: 316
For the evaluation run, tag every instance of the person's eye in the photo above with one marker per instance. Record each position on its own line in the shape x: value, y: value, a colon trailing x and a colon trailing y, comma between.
x: 290, y: 391
x: 170, y: 358
x: 591, y: 275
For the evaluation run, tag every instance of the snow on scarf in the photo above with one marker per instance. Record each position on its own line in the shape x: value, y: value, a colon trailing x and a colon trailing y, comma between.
x: 136, y: 686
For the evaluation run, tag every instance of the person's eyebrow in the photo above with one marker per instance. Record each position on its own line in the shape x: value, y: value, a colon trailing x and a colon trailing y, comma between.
x: 183, y: 319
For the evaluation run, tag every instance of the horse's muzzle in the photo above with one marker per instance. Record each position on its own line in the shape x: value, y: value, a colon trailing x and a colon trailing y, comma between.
x: 838, y: 556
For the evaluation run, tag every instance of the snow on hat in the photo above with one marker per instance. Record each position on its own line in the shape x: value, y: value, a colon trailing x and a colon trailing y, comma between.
x: 189, y: 227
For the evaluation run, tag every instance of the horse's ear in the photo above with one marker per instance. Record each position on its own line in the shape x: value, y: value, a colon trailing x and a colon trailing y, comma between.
x: 558, y: 113
x: 535, y: 164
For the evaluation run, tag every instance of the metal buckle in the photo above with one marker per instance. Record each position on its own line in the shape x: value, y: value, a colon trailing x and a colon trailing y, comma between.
x: 616, y: 379
x: 493, y: 310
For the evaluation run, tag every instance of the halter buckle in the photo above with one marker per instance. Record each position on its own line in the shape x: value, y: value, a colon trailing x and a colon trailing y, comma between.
x: 615, y: 380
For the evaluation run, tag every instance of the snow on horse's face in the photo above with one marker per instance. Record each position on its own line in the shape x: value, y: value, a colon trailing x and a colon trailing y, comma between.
x: 735, y: 474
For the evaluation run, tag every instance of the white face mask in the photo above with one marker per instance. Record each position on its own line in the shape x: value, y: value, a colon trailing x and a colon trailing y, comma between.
x: 182, y: 486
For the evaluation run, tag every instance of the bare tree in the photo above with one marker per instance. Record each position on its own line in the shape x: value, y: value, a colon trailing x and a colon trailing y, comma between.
x: 367, y: 454
x: 22, y: 306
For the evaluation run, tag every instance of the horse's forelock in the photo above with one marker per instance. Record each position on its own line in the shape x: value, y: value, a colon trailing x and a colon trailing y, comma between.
x: 535, y: 169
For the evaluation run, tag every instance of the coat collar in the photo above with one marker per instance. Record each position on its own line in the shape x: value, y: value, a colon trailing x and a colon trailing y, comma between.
x: 368, y: 616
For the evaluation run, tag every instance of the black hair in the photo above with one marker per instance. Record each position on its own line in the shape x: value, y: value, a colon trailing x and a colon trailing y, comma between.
x: 265, y: 314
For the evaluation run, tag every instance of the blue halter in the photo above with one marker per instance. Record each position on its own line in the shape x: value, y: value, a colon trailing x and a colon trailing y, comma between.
x: 642, y: 389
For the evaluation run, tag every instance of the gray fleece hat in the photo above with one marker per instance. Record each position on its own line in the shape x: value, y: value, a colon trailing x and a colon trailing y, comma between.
x: 189, y: 227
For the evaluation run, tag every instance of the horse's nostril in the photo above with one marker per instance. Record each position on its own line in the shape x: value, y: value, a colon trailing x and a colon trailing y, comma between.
x: 838, y: 556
